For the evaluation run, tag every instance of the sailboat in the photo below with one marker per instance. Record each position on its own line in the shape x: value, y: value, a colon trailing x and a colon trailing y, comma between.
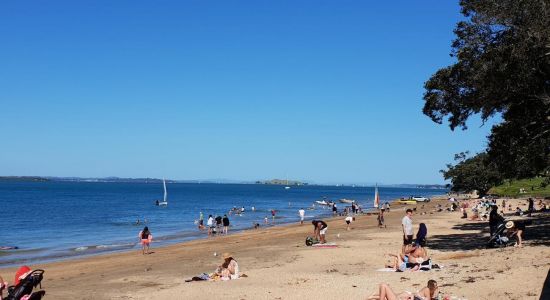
x: 164, y: 202
x: 287, y: 187
x: 376, y: 197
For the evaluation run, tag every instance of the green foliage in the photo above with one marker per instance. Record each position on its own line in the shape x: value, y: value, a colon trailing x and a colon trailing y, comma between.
x: 474, y: 173
x: 536, y: 187
x: 503, y: 67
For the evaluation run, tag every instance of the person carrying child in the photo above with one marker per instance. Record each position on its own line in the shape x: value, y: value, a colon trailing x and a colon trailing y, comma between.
x: 145, y: 238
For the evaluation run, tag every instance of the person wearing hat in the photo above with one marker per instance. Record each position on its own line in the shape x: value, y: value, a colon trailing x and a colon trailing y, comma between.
x: 229, y: 269
x: 516, y: 228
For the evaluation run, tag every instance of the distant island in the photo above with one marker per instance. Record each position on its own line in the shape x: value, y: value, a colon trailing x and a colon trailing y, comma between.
x: 281, y: 182
x: 23, y: 178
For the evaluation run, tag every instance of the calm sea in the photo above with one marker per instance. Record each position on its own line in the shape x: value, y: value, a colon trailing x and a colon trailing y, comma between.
x: 57, y: 220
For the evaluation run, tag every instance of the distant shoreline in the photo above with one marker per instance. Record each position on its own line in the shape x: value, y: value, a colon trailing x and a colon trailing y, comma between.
x: 213, y: 181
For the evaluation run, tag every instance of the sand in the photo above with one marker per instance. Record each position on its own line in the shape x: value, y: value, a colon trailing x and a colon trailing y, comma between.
x: 280, y: 266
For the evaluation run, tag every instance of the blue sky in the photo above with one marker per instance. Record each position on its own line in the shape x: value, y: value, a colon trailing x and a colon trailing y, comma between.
x: 323, y: 91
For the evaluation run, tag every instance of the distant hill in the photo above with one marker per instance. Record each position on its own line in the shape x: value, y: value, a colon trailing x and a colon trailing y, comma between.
x: 23, y: 178
x: 281, y: 182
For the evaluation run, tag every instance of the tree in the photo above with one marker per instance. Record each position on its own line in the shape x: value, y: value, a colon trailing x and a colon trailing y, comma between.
x: 502, y: 53
x: 474, y: 173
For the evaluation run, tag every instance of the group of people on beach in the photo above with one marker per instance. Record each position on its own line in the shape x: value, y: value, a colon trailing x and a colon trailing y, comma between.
x: 217, y: 225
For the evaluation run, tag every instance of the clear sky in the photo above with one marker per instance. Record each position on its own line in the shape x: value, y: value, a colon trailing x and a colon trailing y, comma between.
x: 322, y: 91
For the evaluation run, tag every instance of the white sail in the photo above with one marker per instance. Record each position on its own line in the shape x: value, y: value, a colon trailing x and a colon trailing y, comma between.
x: 376, y: 197
x: 165, y: 193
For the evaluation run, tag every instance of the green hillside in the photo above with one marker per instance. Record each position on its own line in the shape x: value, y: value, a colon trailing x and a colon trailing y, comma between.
x: 532, y: 187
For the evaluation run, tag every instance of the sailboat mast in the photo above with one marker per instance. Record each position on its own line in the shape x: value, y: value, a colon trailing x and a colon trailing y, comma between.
x: 376, y: 197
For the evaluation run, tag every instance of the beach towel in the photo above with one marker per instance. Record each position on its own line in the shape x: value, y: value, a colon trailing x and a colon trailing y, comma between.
x: 327, y: 245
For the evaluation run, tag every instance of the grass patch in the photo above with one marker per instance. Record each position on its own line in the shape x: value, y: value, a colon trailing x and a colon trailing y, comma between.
x: 532, y: 187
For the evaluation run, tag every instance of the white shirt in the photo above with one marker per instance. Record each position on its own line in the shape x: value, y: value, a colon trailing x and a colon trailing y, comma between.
x: 349, y: 218
x: 302, y: 213
x: 407, y: 225
x: 210, y: 221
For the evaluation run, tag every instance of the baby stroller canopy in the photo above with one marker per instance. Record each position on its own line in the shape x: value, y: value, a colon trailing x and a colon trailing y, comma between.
x: 25, y: 282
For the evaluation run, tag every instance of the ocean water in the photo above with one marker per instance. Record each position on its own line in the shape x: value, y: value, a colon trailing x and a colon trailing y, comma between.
x: 58, y: 220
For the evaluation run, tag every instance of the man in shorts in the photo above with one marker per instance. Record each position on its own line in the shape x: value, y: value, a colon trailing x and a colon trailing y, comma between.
x: 407, y: 224
x: 348, y: 219
x: 302, y: 213
x: 320, y: 230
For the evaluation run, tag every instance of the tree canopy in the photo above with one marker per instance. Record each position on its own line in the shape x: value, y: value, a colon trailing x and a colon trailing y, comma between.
x: 502, y: 52
x: 472, y: 173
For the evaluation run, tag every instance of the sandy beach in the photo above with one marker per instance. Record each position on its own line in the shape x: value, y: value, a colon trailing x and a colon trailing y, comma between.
x: 280, y: 266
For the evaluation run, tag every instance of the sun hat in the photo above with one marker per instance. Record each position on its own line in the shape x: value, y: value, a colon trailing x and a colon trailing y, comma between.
x: 509, y: 224
x: 226, y: 255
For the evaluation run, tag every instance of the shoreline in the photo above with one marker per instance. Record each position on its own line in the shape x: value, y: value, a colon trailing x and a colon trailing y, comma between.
x: 280, y: 266
x: 90, y: 251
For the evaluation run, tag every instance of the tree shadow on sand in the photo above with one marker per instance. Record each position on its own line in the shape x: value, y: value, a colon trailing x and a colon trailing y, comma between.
x: 536, y: 233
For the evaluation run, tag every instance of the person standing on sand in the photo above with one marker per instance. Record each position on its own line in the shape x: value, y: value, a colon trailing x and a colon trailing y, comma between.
x: 320, y: 230
x: 302, y: 213
x: 381, y: 219
x: 145, y: 238
x: 407, y: 224
x: 334, y: 209
x: 225, y: 221
x: 494, y: 219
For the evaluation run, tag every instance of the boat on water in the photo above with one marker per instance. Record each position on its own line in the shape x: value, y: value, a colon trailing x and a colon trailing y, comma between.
x: 348, y: 201
x: 376, y: 202
x: 164, y: 202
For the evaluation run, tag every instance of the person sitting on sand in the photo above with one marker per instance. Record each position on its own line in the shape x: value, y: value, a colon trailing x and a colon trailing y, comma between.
x: 145, y: 237
x: 229, y: 269
x: 516, y: 229
x: 319, y: 230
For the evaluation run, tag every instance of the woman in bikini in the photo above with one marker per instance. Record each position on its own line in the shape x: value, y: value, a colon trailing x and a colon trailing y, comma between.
x: 386, y: 293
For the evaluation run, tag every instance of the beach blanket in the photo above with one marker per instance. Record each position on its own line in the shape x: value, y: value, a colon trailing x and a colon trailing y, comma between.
x: 327, y: 245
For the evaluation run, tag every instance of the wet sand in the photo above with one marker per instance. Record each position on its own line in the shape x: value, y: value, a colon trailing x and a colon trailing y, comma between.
x: 280, y: 266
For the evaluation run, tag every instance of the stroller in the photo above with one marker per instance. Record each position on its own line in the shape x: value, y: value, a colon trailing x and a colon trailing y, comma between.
x: 499, y: 239
x: 23, y: 289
